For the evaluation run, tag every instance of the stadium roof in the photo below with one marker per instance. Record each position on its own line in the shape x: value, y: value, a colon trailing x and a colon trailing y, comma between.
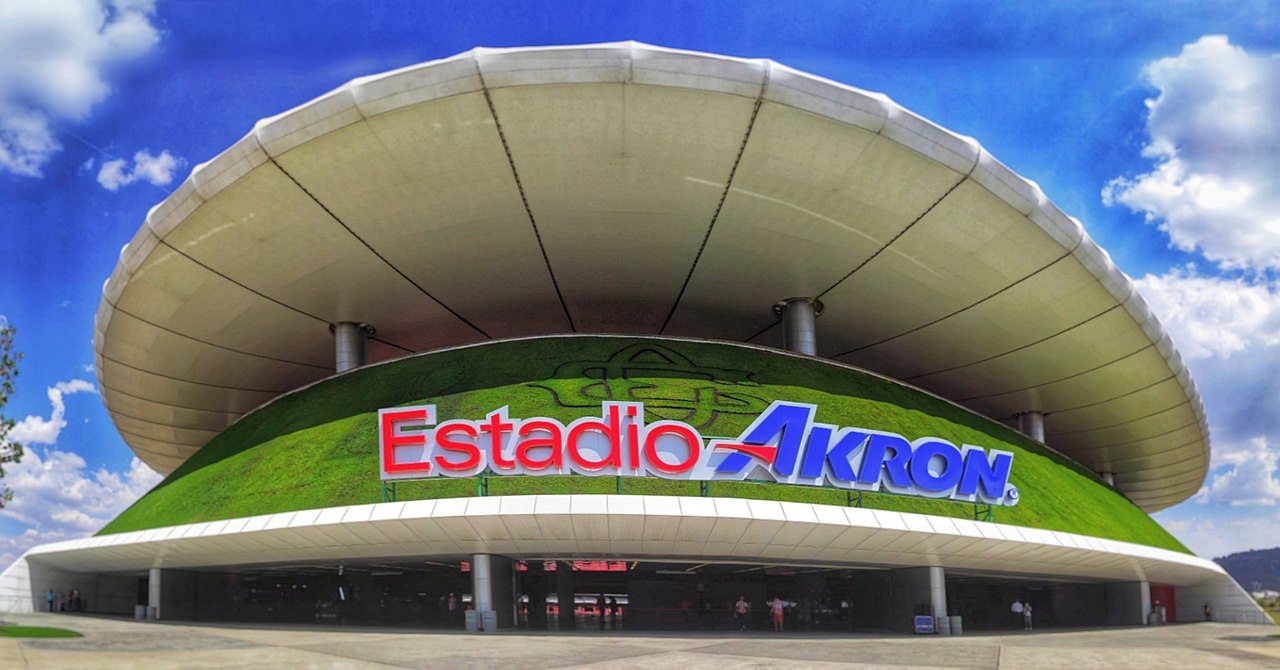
x: 633, y: 189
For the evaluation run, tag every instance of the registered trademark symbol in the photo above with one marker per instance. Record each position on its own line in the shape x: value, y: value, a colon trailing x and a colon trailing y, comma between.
x: 1011, y: 495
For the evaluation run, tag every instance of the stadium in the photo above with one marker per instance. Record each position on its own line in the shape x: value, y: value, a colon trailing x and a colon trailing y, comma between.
x: 643, y: 330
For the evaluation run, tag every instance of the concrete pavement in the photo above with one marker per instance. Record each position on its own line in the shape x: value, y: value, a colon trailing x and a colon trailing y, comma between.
x: 118, y: 643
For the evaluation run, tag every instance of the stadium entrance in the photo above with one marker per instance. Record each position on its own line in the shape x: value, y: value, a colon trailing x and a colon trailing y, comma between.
x: 612, y: 595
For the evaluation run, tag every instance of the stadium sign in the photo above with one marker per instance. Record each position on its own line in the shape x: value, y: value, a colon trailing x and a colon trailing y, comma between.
x: 783, y: 444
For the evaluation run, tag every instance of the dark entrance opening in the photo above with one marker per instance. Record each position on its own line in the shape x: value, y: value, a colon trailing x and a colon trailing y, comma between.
x: 985, y: 602
x: 547, y: 593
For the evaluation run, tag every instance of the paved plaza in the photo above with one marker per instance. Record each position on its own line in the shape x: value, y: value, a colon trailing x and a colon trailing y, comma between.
x: 119, y: 643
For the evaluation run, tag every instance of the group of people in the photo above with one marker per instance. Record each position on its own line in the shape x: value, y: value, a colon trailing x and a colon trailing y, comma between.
x: 64, y: 602
x: 1021, y: 614
x: 742, y: 609
x: 607, y: 607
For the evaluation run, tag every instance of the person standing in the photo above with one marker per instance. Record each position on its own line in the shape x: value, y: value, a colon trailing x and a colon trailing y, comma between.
x: 48, y: 597
x: 1016, y: 609
x: 1026, y: 615
x: 1208, y: 612
x: 740, y: 610
x: 776, y: 610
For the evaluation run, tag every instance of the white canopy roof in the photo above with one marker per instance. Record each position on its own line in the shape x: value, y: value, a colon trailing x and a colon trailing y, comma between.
x: 632, y: 189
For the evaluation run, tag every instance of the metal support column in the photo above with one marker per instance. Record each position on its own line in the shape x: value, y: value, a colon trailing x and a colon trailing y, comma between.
x: 153, y: 594
x: 1109, y: 477
x: 799, y: 324
x: 481, y: 584
x: 937, y: 592
x: 1032, y: 425
x: 350, y: 344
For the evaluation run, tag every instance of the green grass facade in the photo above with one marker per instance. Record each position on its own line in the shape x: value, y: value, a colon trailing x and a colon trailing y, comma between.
x: 317, y: 447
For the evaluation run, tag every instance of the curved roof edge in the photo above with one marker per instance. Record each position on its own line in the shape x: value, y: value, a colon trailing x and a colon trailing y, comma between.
x: 482, y: 69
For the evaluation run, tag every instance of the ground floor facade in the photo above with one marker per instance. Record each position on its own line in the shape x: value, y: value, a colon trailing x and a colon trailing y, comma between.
x: 625, y: 562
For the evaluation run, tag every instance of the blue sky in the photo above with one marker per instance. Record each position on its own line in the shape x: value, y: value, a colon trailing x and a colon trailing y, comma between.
x: 105, y: 105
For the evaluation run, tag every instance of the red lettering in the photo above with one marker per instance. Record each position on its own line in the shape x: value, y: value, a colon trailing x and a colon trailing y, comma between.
x: 611, y: 430
x: 633, y: 439
x: 496, y: 427
x: 444, y: 442
x: 390, y: 440
x: 684, y: 432
x: 527, y: 444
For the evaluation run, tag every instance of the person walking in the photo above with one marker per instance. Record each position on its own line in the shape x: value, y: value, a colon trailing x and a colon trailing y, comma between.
x: 740, y: 610
x: 776, y: 610
x: 1016, y: 610
x: 1026, y: 615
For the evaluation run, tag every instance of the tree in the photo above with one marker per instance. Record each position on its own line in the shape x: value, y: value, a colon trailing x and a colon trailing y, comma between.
x: 10, y: 452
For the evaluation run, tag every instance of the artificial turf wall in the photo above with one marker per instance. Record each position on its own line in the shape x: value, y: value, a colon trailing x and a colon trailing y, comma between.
x: 318, y: 447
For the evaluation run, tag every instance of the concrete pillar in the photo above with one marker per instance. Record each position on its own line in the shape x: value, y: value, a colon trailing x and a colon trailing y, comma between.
x: 937, y: 591
x: 1109, y: 477
x: 492, y: 588
x: 799, y: 324
x: 350, y: 340
x: 916, y: 592
x: 481, y: 583
x: 153, y: 591
x: 1032, y: 425
x: 1144, y: 593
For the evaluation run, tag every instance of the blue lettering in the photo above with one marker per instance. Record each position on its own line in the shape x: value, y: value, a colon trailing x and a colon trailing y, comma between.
x: 952, y: 464
x: 992, y: 475
x: 840, y: 457
x: 876, y: 459
x: 792, y: 421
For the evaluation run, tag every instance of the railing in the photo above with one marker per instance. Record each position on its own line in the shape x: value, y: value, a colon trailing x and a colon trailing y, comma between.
x: 853, y: 498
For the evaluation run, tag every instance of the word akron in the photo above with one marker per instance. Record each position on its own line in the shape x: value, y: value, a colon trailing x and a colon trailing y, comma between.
x: 784, y: 444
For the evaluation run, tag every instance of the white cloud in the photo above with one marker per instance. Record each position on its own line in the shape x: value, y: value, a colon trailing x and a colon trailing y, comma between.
x: 39, y: 430
x: 1213, y: 316
x: 61, y: 499
x: 157, y: 170
x: 1217, y: 538
x: 53, y: 54
x: 1249, y: 478
x: 1215, y: 143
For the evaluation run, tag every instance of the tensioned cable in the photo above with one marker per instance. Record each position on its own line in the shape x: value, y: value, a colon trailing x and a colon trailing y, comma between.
x: 171, y: 331
x: 1170, y: 408
x: 1161, y: 483
x: 165, y: 404
x: 1195, y: 442
x: 1060, y: 379
x: 958, y: 311
x: 1014, y: 351
x: 1137, y: 441
x: 724, y: 195
x: 1113, y: 398
x: 156, y: 439
x: 874, y: 255
x: 373, y: 251
x: 258, y: 293
x: 524, y: 199
x: 188, y: 381
x: 116, y: 412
